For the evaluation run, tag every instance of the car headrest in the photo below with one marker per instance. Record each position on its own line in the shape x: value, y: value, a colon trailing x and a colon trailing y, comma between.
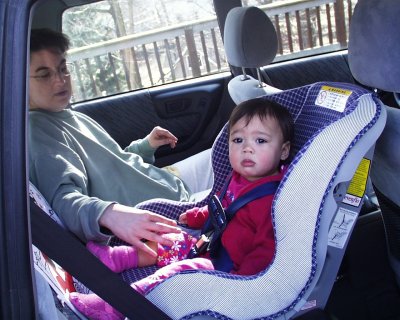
x: 250, y: 38
x: 374, y: 46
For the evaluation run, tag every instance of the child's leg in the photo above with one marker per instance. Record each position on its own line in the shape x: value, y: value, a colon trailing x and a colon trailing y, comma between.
x: 93, y: 307
x: 118, y: 258
x: 144, y: 285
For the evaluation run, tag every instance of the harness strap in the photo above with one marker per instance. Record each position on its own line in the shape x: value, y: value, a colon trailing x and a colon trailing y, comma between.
x: 219, y: 218
x: 65, y: 249
x: 258, y: 192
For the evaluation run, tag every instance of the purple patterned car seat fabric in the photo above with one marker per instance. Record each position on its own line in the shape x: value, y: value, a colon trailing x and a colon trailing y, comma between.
x: 336, y: 126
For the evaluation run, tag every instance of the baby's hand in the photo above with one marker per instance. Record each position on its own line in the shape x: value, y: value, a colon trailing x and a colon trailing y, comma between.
x: 183, y: 218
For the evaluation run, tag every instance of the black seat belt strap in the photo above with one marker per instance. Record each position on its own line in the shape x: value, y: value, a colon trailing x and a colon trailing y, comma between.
x: 66, y: 250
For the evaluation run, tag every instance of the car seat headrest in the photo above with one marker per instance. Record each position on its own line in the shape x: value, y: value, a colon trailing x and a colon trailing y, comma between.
x: 249, y: 38
x: 374, y: 49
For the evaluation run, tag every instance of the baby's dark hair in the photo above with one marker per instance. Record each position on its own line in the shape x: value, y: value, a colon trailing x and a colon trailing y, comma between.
x: 263, y: 108
x: 48, y: 39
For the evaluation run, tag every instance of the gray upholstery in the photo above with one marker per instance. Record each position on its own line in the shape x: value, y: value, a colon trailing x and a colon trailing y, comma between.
x: 374, y: 55
x: 385, y: 168
x: 374, y: 46
x: 249, y: 38
x: 242, y: 88
x: 250, y: 41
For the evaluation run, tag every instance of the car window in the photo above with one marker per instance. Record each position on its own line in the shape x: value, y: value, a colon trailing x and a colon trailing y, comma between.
x: 123, y: 45
x: 306, y: 28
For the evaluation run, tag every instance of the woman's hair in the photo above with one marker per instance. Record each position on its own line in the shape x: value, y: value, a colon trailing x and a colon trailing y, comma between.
x: 48, y: 39
x: 263, y: 109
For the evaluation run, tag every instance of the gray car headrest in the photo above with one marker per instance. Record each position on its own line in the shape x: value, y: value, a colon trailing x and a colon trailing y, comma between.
x: 374, y: 44
x: 250, y: 38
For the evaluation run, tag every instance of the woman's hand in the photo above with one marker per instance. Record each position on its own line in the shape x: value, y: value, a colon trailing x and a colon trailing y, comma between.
x: 132, y: 225
x: 160, y: 136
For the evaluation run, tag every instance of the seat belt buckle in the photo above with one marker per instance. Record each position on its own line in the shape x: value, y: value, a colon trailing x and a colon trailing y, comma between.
x: 202, y: 243
x: 212, y: 232
x: 200, y: 246
x: 217, y: 214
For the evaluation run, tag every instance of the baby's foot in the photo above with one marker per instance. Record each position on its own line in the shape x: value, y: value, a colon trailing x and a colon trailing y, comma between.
x: 93, y: 307
x: 118, y: 258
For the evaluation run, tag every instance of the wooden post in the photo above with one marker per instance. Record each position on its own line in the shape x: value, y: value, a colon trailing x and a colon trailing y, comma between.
x: 193, y: 57
x: 340, y: 23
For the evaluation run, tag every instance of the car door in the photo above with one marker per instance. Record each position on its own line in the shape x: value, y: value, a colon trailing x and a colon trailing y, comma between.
x: 17, y: 300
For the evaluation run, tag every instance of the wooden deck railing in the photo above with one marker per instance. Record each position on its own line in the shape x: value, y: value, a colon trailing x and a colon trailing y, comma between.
x: 192, y: 50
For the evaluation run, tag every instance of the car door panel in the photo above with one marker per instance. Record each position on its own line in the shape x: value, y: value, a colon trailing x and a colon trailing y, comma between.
x: 189, y: 110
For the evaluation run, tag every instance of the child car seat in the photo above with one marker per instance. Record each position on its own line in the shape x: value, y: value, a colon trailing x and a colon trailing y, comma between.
x: 250, y: 41
x: 336, y: 126
x: 373, y: 58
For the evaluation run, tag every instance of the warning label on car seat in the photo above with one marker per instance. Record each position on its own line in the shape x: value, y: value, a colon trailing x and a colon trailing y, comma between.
x: 341, y: 227
x: 346, y: 217
x: 358, y: 184
x: 332, y: 98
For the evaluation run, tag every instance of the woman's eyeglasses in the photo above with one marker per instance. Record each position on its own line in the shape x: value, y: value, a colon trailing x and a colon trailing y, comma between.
x: 48, y: 75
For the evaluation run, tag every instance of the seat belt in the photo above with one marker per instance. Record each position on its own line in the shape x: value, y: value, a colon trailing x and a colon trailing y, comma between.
x: 66, y: 250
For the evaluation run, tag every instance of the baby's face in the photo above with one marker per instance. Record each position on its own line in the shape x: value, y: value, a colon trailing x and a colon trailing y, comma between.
x: 256, y: 148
